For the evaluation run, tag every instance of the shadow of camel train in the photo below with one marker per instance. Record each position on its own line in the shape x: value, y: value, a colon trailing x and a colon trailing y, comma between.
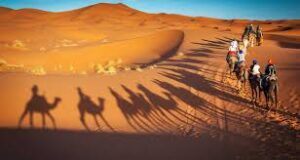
x: 39, y: 104
x: 86, y: 105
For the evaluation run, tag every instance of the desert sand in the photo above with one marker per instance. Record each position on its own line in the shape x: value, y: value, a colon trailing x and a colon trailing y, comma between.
x: 161, y: 78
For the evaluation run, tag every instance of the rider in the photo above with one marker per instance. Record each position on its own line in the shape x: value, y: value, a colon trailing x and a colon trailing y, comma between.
x: 251, y: 29
x: 248, y: 30
x: 233, y: 49
x: 241, y: 57
x: 255, y: 71
x: 234, y: 43
x: 241, y: 60
x: 259, y: 34
x: 270, y: 68
x: 270, y: 71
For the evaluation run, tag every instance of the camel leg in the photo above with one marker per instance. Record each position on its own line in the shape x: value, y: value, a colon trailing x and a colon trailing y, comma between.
x: 22, y: 117
x: 31, y: 119
x: 259, y: 95
x: 255, y: 95
x: 52, y: 119
x: 132, y: 125
x: 252, y: 93
x: 239, y: 85
x: 96, y: 121
x: 43, y: 120
x: 106, y: 123
x: 276, y: 97
x: 267, y: 101
x: 82, y: 119
x: 271, y: 96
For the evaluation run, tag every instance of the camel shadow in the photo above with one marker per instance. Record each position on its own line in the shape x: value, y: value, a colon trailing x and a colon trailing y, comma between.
x: 193, y: 80
x: 219, y: 43
x: 144, y: 109
x: 211, y: 44
x: 135, y: 110
x: 87, y: 106
x: 39, y: 104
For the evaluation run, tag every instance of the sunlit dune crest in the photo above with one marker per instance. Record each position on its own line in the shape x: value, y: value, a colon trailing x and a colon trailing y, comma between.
x: 111, y: 82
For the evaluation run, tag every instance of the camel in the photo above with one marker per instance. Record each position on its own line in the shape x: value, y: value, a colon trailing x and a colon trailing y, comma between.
x: 259, y: 41
x: 130, y: 111
x: 252, y: 39
x: 245, y: 42
x: 232, y: 60
x: 241, y: 75
x: 255, y: 89
x: 86, y: 105
x: 39, y: 104
x: 270, y: 87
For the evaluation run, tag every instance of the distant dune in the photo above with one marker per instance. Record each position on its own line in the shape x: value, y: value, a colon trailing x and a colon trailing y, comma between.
x: 157, y: 83
x: 141, y: 50
x: 28, y: 33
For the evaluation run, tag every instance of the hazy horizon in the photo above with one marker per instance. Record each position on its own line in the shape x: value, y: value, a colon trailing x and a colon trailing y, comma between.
x: 230, y: 9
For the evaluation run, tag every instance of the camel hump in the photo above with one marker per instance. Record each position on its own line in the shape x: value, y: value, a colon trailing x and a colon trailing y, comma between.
x: 41, y: 101
x: 41, y: 98
x: 38, y: 103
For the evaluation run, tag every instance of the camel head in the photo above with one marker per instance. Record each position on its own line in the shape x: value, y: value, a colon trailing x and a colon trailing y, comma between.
x: 139, y: 86
x: 55, y: 103
x: 57, y: 99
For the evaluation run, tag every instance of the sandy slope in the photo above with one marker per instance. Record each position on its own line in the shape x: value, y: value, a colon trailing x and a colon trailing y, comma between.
x: 186, y: 94
x: 83, y: 58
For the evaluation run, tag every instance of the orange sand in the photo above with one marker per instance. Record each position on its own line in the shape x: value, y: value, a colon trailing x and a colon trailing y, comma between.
x: 184, y: 92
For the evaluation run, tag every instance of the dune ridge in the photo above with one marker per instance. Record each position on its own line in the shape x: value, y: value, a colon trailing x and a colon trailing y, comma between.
x: 141, y: 50
x: 182, y: 105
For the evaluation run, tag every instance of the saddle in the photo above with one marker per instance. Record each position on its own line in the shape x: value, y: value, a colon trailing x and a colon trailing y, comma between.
x: 272, y: 77
x: 254, y: 78
x: 239, y: 66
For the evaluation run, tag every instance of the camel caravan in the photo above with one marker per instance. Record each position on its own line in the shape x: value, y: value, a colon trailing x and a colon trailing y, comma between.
x: 266, y: 82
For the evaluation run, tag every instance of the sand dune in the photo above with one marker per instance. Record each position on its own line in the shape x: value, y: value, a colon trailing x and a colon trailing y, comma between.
x: 185, y: 92
x: 83, y: 58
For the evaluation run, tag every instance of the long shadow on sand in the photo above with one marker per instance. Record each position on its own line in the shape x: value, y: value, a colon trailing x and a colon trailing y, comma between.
x: 87, y: 106
x: 146, y: 111
x: 133, y: 110
x: 273, y: 133
x: 39, y: 104
x: 218, y: 43
x: 292, y: 42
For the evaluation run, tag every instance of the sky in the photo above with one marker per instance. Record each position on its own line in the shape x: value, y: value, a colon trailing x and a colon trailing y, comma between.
x: 225, y: 9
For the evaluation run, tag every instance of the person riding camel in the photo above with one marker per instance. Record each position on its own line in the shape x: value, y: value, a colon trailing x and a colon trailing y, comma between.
x: 270, y: 71
x: 241, y: 61
x: 241, y: 58
x: 234, y: 43
x: 248, y: 30
x: 259, y: 35
x: 232, y: 50
x: 270, y: 68
x: 255, y: 71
